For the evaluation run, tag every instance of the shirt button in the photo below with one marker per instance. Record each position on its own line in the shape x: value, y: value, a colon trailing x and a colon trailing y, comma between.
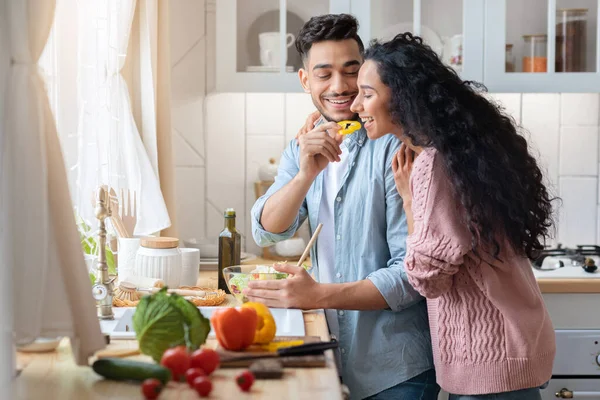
x: 333, y: 337
x: 338, y: 275
x: 343, y: 351
x: 339, y: 199
x: 353, y: 163
x: 360, y: 141
x: 341, y: 313
x: 338, y: 237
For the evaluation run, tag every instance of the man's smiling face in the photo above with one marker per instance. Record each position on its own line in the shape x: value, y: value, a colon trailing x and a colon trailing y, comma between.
x: 329, y: 75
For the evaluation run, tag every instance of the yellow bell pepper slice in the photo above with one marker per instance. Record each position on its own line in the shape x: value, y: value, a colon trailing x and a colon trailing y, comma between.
x: 265, y: 328
x: 348, y: 127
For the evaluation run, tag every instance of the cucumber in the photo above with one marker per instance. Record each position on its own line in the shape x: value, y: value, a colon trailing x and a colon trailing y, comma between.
x: 118, y: 369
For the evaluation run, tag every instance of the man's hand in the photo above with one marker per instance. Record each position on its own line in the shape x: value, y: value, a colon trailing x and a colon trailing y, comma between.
x: 318, y: 148
x: 311, y: 120
x: 299, y: 290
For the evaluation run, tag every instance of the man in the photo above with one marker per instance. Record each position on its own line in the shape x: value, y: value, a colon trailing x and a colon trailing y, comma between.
x: 348, y: 186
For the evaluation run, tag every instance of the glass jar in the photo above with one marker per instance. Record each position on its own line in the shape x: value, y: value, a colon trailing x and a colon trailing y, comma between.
x: 571, y: 26
x: 535, y: 57
x: 509, y: 63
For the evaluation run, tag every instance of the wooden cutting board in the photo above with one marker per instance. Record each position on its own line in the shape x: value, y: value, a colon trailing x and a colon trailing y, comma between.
x: 313, y: 361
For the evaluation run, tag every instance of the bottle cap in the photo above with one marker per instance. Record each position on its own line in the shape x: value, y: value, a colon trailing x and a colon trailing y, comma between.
x: 229, y: 212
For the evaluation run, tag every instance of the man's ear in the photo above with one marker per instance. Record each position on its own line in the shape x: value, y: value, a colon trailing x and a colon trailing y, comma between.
x: 303, y: 75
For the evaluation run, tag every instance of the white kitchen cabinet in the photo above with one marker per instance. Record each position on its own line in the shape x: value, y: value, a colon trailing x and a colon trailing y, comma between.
x: 251, y: 36
x: 567, y: 63
x: 484, y: 27
x: 453, y: 28
x: 241, y: 55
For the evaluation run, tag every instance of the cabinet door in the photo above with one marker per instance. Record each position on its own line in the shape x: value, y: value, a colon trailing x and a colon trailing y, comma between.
x: 541, y: 46
x: 453, y: 28
x: 252, y: 36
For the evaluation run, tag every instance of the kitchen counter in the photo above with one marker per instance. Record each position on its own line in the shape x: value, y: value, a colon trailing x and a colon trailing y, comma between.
x: 565, y: 285
x: 568, y: 280
x: 55, y: 375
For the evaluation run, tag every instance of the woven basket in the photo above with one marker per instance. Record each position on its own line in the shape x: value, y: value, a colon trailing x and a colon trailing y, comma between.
x: 210, y: 300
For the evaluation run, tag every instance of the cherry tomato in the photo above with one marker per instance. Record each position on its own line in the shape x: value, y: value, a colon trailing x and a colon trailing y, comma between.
x: 244, y: 380
x: 151, y: 388
x: 207, y: 359
x: 177, y: 360
x: 203, y: 386
x: 193, y: 373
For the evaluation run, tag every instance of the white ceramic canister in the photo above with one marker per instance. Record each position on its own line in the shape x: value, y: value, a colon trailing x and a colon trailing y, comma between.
x: 159, y: 258
x: 190, y: 266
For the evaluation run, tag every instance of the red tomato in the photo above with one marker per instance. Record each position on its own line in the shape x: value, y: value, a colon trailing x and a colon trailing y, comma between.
x: 151, y: 388
x: 193, y: 373
x: 207, y: 359
x: 203, y: 386
x: 244, y: 380
x: 177, y: 360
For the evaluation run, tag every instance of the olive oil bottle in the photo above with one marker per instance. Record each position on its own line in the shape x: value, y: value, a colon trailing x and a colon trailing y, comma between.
x: 230, y: 242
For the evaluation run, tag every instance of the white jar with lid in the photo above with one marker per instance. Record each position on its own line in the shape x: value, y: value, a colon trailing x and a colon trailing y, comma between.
x: 159, y: 258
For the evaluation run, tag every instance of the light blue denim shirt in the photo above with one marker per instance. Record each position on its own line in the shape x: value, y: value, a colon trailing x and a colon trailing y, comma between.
x: 382, y: 348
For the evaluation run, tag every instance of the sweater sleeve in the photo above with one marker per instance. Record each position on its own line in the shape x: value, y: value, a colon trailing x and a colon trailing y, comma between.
x: 440, y: 238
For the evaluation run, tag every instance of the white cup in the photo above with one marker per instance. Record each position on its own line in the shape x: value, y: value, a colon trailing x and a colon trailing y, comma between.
x: 127, y: 251
x: 190, y: 266
x: 270, y: 48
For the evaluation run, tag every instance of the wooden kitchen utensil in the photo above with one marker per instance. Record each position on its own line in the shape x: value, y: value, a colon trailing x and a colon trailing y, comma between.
x: 127, y: 214
x: 309, y: 245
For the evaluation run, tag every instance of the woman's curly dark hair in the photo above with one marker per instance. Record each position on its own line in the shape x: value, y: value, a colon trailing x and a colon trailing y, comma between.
x: 497, y: 180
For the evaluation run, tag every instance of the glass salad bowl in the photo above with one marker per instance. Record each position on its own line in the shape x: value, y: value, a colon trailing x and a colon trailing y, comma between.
x: 238, y: 276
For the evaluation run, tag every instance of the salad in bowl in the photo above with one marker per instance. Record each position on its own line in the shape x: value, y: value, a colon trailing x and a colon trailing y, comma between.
x: 238, y: 276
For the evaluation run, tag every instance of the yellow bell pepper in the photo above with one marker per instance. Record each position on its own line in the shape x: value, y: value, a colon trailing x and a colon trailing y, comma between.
x: 348, y: 127
x: 265, y: 328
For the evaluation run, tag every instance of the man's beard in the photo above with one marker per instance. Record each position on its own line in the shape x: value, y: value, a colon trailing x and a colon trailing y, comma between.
x: 328, y: 117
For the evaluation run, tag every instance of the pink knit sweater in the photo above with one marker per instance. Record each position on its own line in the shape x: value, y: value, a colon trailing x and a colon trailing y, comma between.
x: 490, y: 329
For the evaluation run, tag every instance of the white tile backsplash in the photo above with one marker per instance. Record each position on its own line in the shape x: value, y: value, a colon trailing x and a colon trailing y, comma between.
x: 259, y: 149
x: 264, y: 113
x: 297, y: 108
x: 511, y: 102
x: 578, y: 150
x: 226, y: 151
x: 578, y: 215
x: 540, y: 119
x: 579, y: 109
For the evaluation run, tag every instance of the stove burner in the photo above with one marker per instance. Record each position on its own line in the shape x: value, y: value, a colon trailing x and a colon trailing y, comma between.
x: 577, y: 256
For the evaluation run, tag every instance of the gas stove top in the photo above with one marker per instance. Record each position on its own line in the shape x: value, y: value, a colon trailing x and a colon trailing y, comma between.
x: 582, y: 261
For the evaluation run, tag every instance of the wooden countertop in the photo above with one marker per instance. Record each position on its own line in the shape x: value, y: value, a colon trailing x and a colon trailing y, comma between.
x: 55, y: 375
x: 589, y: 285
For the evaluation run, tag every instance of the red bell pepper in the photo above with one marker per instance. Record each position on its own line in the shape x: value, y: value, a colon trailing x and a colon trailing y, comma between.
x: 234, y: 328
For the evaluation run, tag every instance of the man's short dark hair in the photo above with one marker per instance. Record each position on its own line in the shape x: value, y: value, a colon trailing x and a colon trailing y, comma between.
x: 327, y: 27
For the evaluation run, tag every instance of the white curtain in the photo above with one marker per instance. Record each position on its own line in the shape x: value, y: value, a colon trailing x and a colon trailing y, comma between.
x: 39, y: 240
x: 111, y: 151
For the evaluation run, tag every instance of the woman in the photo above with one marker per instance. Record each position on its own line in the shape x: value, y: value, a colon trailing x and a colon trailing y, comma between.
x: 477, y: 210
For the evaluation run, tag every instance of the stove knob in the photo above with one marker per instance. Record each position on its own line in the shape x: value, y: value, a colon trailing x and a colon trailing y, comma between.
x: 589, y: 265
x: 598, y: 359
x: 564, y: 394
